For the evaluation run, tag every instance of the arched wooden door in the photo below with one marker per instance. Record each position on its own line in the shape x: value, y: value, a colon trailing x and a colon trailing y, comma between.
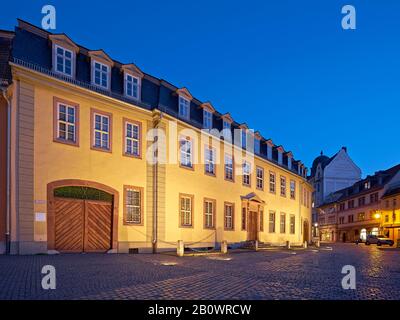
x: 81, y: 219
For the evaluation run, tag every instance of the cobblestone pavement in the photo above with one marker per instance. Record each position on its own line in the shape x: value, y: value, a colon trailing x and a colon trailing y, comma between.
x: 295, y: 274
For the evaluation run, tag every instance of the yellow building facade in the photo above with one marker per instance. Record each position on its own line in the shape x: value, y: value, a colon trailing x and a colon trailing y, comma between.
x: 89, y: 184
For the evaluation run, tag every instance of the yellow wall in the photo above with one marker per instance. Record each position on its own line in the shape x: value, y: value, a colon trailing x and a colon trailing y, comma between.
x: 55, y: 161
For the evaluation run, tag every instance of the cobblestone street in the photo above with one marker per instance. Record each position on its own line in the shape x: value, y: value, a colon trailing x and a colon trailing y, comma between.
x: 295, y: 274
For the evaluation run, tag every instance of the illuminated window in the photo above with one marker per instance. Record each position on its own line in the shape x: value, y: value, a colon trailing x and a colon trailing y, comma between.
x: 292, y: 189
x: 228, y: 216
x: 101, y: 130
x: 292, y: 224
x: 228, y: 167
x: 283, y: 186
x: 186, y: 207
x: 283, y: 223
x: 272, y: 182
x: 246, y: 173
x: 271, y: 222
x: 132, y: 139
x: 209, y: 213
x: 66, y: 122
x: 260, y: 178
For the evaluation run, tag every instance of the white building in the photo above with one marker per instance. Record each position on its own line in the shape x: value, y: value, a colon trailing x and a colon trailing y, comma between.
x: 331, y: 174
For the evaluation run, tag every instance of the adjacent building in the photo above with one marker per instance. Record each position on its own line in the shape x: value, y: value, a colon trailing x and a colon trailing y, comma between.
x: 329, y: 174
x: 367, y: 207
x: 81, y: 139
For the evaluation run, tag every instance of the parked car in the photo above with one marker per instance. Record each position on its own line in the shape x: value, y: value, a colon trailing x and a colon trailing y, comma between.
x: 378, y: 240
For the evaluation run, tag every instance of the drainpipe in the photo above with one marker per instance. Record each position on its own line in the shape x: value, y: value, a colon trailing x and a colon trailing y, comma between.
x: 155, y: 187
x: 8, y: 188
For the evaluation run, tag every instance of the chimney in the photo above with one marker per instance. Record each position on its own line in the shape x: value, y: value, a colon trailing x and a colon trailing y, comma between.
x: 345, y: 149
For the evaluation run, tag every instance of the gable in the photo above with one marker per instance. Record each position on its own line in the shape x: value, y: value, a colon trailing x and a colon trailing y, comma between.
x: 342, y: 166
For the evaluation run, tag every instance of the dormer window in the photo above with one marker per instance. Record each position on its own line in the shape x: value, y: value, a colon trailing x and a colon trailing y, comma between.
x: 257, y: 145
x: 132, y: 81
x: 132, y: 86
x: 184, y: 98
x: 64, y: 52
x: 64, y: 60
x: 184, y: 107
x: 207, y: 119
x: 226, y: 125
x: 208, y: 111
x: 101, y: 74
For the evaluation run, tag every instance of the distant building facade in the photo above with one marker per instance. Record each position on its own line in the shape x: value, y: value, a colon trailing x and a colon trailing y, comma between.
x: 369, y: 206
x: 329, y: 174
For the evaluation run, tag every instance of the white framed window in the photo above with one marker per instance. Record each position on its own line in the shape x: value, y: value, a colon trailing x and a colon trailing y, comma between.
x: 184, y: 107
x: 292, y: 189
x: 271, y: 228
x: 283, y: 186
x: 209, y: 207
x: 260, y: 178
x: 66, y: 122
x: 186, y: 210
x: 283, y: 223
x: 132, y: 86
x: 64, y: 60
x: 186, y: 152
x: 207, y: 119
x: 209, y: 160
x: 228, y: 214
x: 101, y: 74
x: 272, y: 182
x: 246, y: 173
x: 132, y: 139
x: 292, y: 224
x: 101, y: 131
x: 133, y: 205
x: 228, y: 167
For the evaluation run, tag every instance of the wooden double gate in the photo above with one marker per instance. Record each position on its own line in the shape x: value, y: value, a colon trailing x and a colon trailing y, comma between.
x: 82, y: 225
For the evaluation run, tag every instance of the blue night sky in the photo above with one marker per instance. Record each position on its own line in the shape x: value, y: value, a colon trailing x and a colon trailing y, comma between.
x: 286, y: 68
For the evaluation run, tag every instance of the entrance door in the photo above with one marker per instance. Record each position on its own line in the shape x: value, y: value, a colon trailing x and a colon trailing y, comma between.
x: 305, y: 231
x: 252, y: 226
x: 82, y: 225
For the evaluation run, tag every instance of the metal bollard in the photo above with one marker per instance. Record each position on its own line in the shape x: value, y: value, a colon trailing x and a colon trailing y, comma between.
x: 317, y: 244
x: 180, y: 250
x: 305, y: 244
x: 287, y: 244
x: 256, y: 245
x: 224, y: 246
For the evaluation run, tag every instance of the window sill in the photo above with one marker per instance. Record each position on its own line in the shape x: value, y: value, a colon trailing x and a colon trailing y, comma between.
x: 70, y: 143
x: 101, y: 149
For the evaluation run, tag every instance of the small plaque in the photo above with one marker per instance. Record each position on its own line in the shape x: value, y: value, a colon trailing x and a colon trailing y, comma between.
x: 40, y: 216
x: 40, y: 201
